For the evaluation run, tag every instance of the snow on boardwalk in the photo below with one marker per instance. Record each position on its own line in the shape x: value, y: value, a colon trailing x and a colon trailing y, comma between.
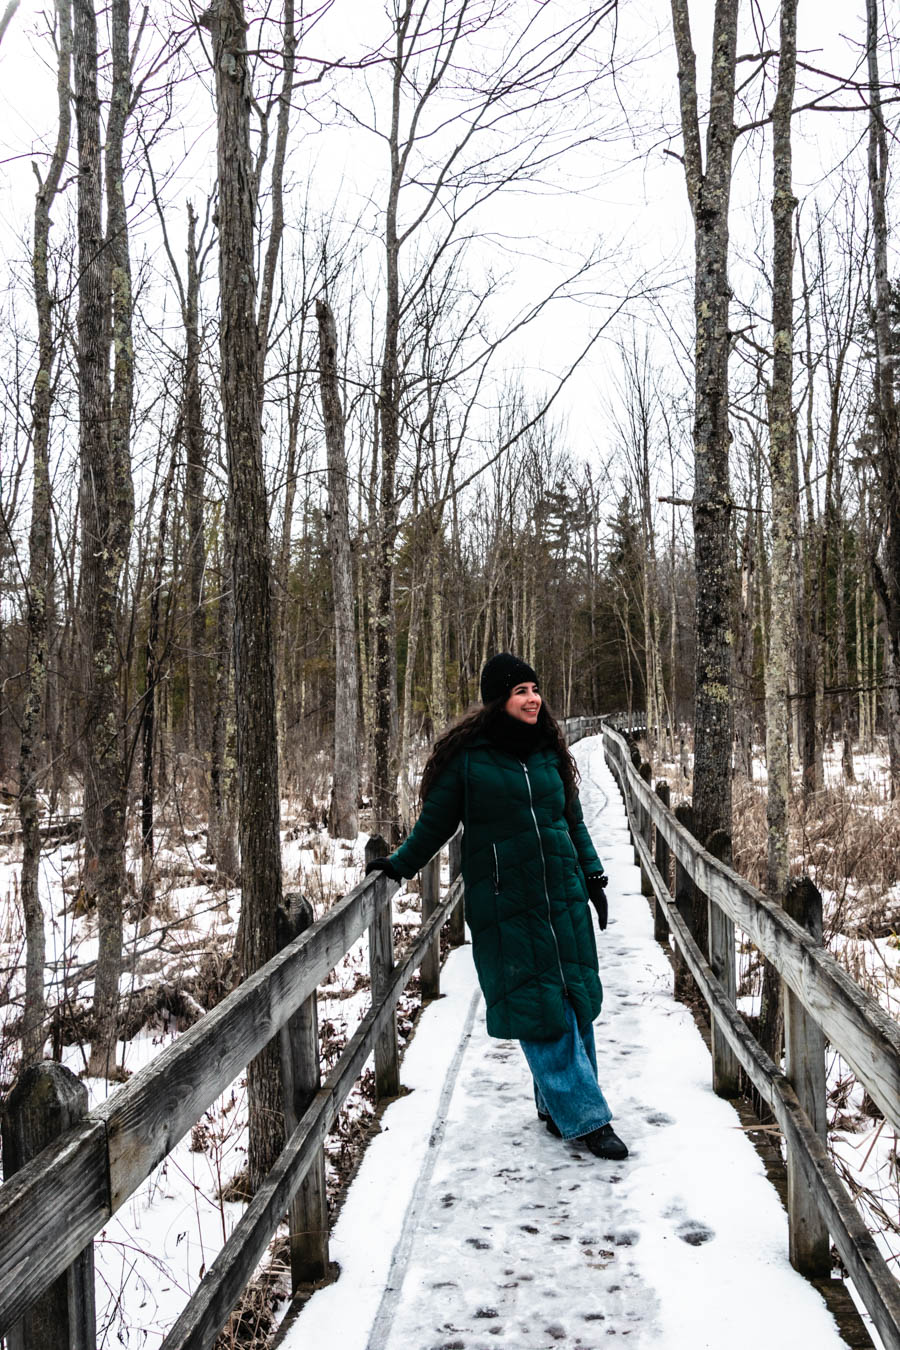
x: 471, y: 1228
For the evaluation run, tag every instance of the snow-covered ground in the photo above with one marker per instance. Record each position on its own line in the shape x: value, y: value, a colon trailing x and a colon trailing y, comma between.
x: 469, y: 1227
x: 152, y: 1253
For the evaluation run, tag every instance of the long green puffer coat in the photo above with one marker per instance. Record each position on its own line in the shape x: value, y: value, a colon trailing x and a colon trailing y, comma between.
x: 525, y: 895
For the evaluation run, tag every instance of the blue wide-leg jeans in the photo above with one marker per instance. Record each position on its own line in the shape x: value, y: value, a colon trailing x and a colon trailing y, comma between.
x: 565, y: 1079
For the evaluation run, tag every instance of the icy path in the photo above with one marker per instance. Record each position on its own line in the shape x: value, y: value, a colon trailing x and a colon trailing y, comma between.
x: 471, y: 1228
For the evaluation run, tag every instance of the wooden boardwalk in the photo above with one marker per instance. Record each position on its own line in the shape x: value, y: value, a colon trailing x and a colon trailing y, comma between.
x: 480, y: 1230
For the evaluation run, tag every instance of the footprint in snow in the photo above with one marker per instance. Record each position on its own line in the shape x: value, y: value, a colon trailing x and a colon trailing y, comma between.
x: 694, y: 1233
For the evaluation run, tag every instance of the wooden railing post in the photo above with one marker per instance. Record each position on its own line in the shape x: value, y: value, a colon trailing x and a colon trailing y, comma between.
x: 660, y: 927
x: 430, y: 971
x: 684, y: 903
x: 726, y: 1069
x: 45, y: 1101
x: 302, y: 1078
x: 457, y: 916
x: 635, y: 757
x: 804, y: 1044
x: 645, y: 824
x: 381, y: 968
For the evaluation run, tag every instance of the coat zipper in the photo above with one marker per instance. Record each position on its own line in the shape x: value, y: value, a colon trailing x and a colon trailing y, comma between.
x: 544, y: 870
x: 496, y: 871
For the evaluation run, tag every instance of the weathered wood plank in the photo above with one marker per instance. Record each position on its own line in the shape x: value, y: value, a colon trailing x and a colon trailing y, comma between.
x: 301, y: 1079
x: 147, y: 1117
x: 804, y: 1064
x: 208, y: 1310
x: 430, y: 974
x: 381, y: 967
x: 852, y: 1021
x: 46, y: 1102
x: 308, y: 1214
x: 873, y: 1280
x: 49, y: 1211
x: 720, y: 931
x: 645, y: 825
x: 685, y: 900
x: 661, y: 855
x: 457, y: 914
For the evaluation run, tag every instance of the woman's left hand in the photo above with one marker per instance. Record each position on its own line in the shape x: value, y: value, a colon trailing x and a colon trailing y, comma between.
x: 596, y: 887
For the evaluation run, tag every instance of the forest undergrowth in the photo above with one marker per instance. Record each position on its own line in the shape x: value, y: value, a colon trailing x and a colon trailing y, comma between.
x: 179, y: 963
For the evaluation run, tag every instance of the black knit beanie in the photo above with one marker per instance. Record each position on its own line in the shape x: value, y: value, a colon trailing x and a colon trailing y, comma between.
x: 501, y: 674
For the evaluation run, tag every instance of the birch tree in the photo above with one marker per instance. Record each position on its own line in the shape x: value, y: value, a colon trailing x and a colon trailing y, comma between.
x: 782, y: 458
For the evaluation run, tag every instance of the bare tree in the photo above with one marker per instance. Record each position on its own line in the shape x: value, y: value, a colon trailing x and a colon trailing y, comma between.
x: 343, y: 819
x: 709, y: 192
x: 782, y: 458
x: 443, y: 188
x: 887, y: 576
x: 107, y: 494
x: 40, y: 555
x: 783, y: 468
x: 257, y: 742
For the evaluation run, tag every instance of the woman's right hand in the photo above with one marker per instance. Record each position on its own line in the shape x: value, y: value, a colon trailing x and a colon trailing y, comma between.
x: 383, y: 865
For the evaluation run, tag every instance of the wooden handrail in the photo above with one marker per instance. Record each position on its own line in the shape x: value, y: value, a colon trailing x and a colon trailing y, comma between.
x: 53, y: 1207
x: 208, y: 1309
x: 857, y: 1027
x: 809, y: 971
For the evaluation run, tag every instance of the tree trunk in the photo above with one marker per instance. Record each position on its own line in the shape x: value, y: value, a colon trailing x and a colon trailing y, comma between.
x: 887, y: 578
x: 782, y: 458
x: 843, y: 663
x: 107, y: 500
x: 343, y: 819
x: 439, y: 710
x: 223, y: 770
x: 40, y: 564
x: 280, y: 608
x: 148, y: 710
x: 257, y: 744
x: 385, y: 802
x: 862, y: 702
x: 195, y: 451
x: 743, y: 731
x: 407, y: 803
x: 709, y: 193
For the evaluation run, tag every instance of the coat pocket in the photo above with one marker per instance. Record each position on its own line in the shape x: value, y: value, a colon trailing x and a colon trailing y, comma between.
x: 496, y: 869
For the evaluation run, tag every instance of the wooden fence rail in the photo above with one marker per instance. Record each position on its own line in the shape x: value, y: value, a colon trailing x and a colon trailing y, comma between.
x: 822, y: 1001
x: 51, y: 1209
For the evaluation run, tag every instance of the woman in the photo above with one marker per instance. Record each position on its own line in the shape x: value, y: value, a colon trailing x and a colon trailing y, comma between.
x: 529, y: 868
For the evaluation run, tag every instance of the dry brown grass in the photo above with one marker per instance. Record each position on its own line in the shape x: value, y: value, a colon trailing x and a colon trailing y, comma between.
x: 846, y: 840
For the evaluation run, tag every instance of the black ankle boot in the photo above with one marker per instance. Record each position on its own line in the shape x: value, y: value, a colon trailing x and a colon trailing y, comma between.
x: 551, y: 1126
x: 605, y: 1143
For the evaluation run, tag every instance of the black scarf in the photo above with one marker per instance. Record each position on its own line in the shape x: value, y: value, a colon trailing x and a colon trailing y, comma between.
x: 516, y: 737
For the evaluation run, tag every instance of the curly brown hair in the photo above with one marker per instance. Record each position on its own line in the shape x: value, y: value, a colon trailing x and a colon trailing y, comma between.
x: 483, y: 719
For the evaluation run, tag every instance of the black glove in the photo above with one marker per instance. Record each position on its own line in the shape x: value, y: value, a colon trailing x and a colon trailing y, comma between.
x: 596, y: 886
x: 383, y: 865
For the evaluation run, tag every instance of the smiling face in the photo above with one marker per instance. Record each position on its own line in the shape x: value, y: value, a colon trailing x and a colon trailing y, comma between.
x: 524, y: 703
